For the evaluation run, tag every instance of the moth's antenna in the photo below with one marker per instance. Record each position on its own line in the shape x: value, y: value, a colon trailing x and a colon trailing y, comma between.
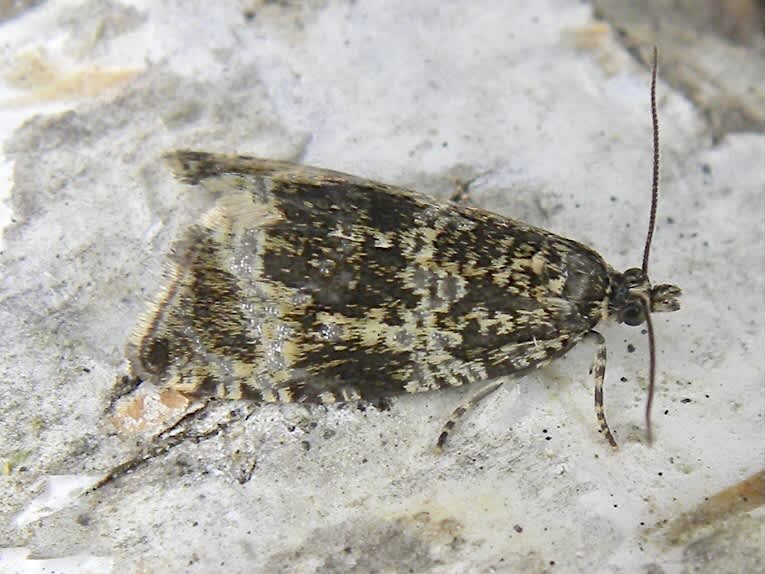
x: 655, y: 186
x: 647, y: 250
x: 651, y: 376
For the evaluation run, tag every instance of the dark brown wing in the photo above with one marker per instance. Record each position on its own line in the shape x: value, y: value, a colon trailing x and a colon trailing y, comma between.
x: 307, y: 284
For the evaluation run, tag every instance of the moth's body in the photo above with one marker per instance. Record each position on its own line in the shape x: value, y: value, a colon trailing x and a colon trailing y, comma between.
x: 304, y: 284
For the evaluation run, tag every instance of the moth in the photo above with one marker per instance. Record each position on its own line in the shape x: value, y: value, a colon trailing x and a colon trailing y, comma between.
x: 309, y: 285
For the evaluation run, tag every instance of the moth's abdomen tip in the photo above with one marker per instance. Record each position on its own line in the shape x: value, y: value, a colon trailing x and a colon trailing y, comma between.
x: 124, y: 385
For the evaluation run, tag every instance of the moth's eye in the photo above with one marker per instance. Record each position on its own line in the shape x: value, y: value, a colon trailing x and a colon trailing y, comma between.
x: 632, y: 314
x: 156, y: 356
x: 633, y: 275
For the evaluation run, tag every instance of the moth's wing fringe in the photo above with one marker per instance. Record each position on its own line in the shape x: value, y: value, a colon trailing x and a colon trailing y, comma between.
x: 192, y: 167
x: 149, y: 319
x: 195, y: 167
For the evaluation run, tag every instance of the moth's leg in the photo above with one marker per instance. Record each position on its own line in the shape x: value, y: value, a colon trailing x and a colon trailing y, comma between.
x: 470, y: 403
x: 461, y: 195
x: 166, y: 441
x: 598, y: 371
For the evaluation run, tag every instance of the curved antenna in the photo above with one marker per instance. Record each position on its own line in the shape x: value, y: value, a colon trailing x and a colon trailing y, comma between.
x: 655, y: 186
x: 647, y: 250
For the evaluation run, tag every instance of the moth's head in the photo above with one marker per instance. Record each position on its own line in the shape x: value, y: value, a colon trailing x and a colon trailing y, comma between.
x: 632, y: 296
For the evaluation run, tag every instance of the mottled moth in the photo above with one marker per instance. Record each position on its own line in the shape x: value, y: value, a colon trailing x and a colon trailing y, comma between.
x: 308, y: 285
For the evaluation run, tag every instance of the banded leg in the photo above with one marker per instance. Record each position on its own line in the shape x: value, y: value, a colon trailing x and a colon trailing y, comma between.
x: 470, y: 403
x: 599, y: 374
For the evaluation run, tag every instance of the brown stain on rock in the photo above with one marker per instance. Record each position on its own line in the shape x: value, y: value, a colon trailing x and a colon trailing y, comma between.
x: 42, y: 80
x: 742, y: 497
